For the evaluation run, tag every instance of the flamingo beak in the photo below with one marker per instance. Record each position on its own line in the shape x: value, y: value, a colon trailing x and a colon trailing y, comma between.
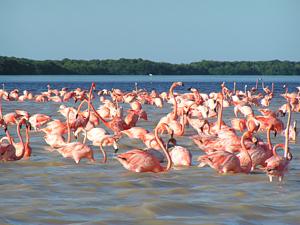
x: 275, y: 133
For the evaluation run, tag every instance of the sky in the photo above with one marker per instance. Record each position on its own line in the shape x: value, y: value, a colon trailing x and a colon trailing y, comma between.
x: 175, y: 31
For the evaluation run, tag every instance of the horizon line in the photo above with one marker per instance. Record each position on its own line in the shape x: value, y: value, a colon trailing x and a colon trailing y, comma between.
x: 213, y: 60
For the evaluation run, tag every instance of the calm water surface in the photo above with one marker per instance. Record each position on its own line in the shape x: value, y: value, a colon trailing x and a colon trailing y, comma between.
x: 48, y: 189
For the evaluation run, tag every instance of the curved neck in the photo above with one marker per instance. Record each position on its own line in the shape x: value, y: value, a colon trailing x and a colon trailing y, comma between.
x: 158, y: 140
x: 80, y: 105
x: 100, y: 117
x: 245, y: 151
x: 287, y: 132
x: 21, y: 141
x: 87, y: 101
x: 27, y: 135
x: 68, y: 126
x: 171, y: 93
x: 182, y: 123
x: 220, y: 113
x: 269, y: 138
x: 103, y: 151
x: 1, y: 115
x: 89, y: 110
x: 175, y: 108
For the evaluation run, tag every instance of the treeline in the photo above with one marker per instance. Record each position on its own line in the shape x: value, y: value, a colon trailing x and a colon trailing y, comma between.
x: 13, y: 65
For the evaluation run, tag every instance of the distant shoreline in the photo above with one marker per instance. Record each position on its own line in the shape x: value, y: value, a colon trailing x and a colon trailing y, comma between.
x: 23, y: 66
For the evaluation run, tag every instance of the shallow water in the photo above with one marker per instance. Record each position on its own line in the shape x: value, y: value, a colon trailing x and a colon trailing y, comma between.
x: 48, y: 189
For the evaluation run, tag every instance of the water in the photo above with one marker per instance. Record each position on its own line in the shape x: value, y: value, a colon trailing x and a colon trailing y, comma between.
x: 48, y: 189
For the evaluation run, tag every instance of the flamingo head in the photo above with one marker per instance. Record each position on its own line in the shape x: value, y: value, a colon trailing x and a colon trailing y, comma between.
x: 179, y: 84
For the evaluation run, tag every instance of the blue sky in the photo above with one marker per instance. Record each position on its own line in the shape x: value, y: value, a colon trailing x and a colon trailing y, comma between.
x: 160, y: 30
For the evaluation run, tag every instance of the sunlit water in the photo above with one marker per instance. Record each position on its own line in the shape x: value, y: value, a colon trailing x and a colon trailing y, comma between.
x: 48, y: 189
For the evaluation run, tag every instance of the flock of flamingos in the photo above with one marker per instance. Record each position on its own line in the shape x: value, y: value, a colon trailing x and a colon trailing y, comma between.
x: 223, y: 150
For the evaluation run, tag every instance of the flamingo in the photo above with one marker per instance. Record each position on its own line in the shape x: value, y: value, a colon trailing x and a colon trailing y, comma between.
x: 19, y: 146
x: 135, y: 132
x: 37, y: 120
x: 278, y: 165
x: 8, y: 152
x: 225, y: 162
x: 181, y: 156
x: 137, y: 160
x: 81, y: 120
x: 259, y: 152
x: 117, y: 124
x: 173, y: 115
x: 108, y: 140
x: 75, y: 150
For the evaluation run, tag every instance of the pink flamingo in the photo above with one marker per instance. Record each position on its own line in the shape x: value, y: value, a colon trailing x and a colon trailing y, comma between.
x: 259, y: 152
x: 54, y: 140
x: 108, y: 140
x: 8, y: 152
x: 75, y: 150
x: 278, y: 165
x: 133, y: 116
x: 19, y: 146
x: 37, y: 120
x: 141, y: 161
x: 173, y: 115
x: 181, y: 156
x: 135, y: 132
x: 81, y: 121
x: 225, y: 162
x: 117, y: 124
x: 55, y: 127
